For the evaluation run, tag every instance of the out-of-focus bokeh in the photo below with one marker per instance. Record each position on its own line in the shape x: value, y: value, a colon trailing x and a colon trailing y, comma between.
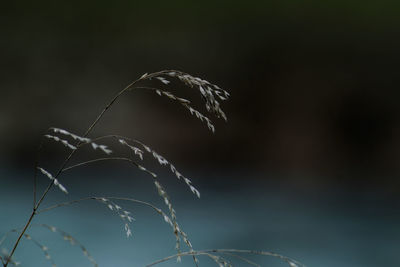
x: 313, y: 132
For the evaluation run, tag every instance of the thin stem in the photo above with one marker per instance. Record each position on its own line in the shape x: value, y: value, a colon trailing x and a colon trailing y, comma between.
x: 111, y: 158
x: 116, y: 137
x: 19, y: 237
x: 112, y: 136
x: 97, y: 198
x: 241, y: 258
x: 225, y: 251
x: 178, y: 255
x: 65, y: 204
x: 97, y: 160
x: 36, y: 171
x: 145, y: 87
x: 159, y: 211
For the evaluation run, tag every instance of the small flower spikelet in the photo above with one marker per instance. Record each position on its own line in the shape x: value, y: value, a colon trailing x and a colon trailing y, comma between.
x: 57, y: 139
x: 219, y: 260
x: 135, y: 150
x: 78, y: 138
x: 161, y: 191
x: 186, y: 104
x: 163, y: 80
x: 74, y: 136
x: 55, y: 181
x: 172, y: 221
x: 123, y: 214
x: 102, y: 148
x: 210, y: 93
x: 161, y: 160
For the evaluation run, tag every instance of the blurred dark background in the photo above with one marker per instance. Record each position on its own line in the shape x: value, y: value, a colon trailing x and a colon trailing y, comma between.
x: 314, y: 85
x: 314, y: 88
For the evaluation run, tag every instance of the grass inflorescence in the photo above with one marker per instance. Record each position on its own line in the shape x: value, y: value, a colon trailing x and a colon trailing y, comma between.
x: 212, y: 96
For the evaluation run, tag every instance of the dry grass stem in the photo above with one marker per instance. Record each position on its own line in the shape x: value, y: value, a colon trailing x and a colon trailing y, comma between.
x: 289, y: 261
x: 250, y: 262
x: 140, y: 167
x: 211, y: 94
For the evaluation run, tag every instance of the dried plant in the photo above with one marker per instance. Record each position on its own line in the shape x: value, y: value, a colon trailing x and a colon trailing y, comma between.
x: 212, y: 96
